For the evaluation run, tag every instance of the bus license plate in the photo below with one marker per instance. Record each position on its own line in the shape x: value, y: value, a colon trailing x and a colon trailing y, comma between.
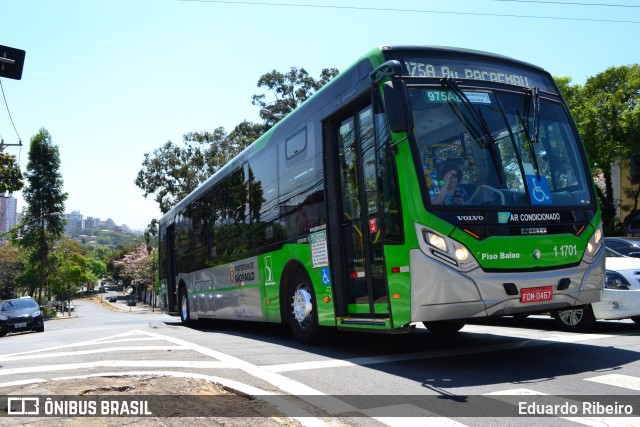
x: 542, y: 293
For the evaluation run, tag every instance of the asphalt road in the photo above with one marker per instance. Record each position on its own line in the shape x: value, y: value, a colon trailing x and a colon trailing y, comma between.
x: 489, y: 374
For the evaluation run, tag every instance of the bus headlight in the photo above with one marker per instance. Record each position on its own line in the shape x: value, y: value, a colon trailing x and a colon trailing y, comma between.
x: 445, y: 249
x: 594, y: 245
x: 462, y: 253
x: 436, y: 241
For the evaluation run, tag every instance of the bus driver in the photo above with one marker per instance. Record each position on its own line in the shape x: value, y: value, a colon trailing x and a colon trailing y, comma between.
x: 451, y: 192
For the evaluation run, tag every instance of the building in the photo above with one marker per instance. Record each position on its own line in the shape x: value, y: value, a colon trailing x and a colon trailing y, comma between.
x: 8, y: 212
x: 74, y: 223
x: 91, y: 222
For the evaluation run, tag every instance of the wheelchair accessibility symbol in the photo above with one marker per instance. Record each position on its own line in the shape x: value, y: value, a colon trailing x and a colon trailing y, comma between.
x: 539, y: 190
x: 325, y: 277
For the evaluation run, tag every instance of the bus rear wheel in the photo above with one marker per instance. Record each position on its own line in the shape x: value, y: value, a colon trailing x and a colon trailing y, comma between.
x: 575, y: 320
x: 185, y: 316
x: 444, y: 327
x: 303, y: 316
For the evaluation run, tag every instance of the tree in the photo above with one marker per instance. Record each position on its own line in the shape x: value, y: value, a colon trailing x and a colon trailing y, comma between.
x: 11, y: 267
x: 608, y: 117
x: 73, y: 269
x: 139, y: 267
x: 172, y: 171
x: 97, y: 268
x: 10, y: 175
x: 43, y: 196
x: 289, y: 90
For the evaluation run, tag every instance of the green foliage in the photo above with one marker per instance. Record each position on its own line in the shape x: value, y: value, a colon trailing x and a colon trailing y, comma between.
x: 607, y: 111
x: 49, y: 312
x: 172, y: 171
x: 11, y: 267
x: 97, y: 268
x: 289, y: 90
x: 10, y: 175
x: 43, y: 194
x: 72, y: 270
x: 615, y: 228
x: 100, y: 252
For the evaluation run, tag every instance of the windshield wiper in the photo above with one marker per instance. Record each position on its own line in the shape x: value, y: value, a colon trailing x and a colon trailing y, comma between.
x: 481, y: 124
x: 532, y: 107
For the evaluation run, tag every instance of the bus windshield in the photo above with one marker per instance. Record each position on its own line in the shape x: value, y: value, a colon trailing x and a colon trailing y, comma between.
x: 488, y: 147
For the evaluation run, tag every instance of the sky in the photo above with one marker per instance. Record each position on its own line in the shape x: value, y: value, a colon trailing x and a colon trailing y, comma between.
x: 112, y: 80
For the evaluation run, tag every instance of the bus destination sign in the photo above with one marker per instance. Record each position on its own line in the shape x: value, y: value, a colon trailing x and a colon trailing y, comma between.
x: 458, y: 68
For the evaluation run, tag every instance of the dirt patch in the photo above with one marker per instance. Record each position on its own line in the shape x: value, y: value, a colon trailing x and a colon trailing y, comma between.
x: 251, y: 411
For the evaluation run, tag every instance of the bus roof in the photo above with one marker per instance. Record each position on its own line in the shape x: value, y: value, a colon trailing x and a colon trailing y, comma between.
x: 336, y: 93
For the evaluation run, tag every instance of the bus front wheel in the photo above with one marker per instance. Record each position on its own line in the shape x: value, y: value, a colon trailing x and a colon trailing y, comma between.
x: 185, y: 316
x: 575, y: 320
x: 303, y: 315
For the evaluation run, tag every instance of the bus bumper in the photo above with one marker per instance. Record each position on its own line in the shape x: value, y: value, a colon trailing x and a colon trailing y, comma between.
x: 439, y: 292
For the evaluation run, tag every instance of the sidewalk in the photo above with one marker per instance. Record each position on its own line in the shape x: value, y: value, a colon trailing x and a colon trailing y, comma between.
x: 121, y: 305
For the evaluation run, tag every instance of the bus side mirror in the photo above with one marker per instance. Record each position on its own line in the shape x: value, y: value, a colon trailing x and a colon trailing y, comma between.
x: 396, y: 102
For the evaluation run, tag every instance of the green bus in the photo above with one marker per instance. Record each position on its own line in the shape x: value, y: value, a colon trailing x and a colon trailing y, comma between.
x: 422, y: 184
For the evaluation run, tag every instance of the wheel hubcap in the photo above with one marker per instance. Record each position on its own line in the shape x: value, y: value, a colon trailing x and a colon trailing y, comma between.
x: 301, y: 304
x: 571, y: 317
x: 184, y: 306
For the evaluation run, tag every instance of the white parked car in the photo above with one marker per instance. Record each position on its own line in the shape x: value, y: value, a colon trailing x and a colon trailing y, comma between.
x: 620, y: 296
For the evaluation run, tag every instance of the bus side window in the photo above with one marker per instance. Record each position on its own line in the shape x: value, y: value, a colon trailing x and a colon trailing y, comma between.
x: 301, y: 183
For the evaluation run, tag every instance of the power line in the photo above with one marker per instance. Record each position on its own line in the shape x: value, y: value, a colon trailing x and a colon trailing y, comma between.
x: 376, y: 9
x: 569, y: 3
x: 9, y: 112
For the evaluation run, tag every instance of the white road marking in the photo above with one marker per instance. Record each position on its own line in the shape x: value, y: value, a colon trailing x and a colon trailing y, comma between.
x: 94, y: 351
x: 280, y: 402
x: 534, y: 339
x: 223, y: 361
x: 22, y: 382
x: 98, y: 341
x: 413, y: 417
x: 618, y: 380
x: 118, y: 364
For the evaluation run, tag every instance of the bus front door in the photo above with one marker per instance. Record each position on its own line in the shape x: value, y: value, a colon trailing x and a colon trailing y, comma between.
x: 363, y: 267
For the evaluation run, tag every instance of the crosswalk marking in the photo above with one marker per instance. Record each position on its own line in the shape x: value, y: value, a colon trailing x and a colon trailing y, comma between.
x: 533, y: 339
x: 94, y: 351
x: 411, y: 415
x: 618, y: 380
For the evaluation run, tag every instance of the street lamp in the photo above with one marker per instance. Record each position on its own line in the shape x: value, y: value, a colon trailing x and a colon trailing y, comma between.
x: 268, y: 113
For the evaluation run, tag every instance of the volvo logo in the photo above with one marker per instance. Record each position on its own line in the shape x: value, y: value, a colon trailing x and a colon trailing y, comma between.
x: 537, y: 254
x: 470, y: 218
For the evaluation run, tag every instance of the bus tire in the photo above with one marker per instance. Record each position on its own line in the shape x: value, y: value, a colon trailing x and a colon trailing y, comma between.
x: 185, y: 315
x: 303, y: 313
x: 444, y: 327
x: 579, y: 319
